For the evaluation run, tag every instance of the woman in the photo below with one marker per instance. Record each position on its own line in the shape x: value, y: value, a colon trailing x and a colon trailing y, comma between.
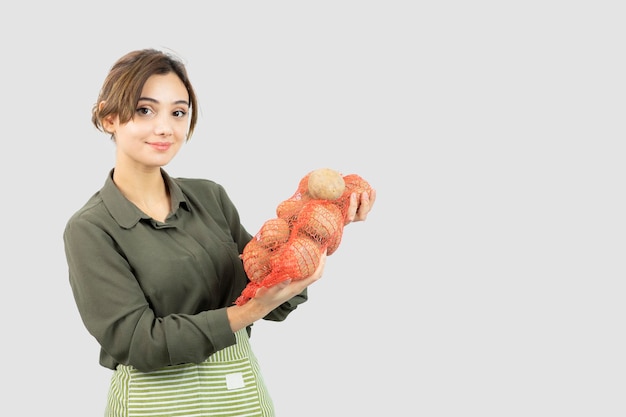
x: 154, y: 260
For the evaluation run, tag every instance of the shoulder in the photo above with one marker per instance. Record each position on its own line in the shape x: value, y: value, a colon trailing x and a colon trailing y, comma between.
x: 90, y: 211
x: 91, y: 220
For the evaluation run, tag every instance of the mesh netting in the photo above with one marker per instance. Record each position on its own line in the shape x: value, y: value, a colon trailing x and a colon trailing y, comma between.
x: 312, y: 220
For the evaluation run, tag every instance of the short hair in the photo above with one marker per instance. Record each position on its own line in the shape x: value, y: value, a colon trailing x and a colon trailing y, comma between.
x: 123, y: 85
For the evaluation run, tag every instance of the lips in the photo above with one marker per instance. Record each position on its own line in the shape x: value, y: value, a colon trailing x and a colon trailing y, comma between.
x: 161, y: 146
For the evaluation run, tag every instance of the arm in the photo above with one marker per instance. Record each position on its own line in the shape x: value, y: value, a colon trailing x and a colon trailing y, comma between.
x: 116, y: 311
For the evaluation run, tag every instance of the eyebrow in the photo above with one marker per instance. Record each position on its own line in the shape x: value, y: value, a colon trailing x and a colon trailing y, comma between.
x: 185, y: 102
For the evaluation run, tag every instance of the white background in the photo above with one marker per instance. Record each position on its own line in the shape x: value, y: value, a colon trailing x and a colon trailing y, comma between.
x: 488, y: 279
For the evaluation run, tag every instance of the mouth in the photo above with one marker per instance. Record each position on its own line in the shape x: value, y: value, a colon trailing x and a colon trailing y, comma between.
x: 160, y: 146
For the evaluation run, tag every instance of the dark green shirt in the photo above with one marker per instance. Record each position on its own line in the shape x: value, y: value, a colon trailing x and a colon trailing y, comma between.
x: 155, y: 294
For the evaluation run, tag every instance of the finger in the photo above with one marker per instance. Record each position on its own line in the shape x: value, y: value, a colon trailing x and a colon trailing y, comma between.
x: 372, y: 196
x: 365, y: 206
x: 352, y: 208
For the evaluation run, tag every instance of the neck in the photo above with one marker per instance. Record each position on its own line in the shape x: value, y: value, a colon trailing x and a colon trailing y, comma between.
x: 145, y: 189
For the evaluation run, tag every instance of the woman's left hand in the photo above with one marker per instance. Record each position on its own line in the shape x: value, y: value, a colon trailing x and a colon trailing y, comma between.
x: 360, y: 206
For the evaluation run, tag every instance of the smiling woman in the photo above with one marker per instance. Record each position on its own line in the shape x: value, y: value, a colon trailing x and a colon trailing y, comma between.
x: 155, y: 261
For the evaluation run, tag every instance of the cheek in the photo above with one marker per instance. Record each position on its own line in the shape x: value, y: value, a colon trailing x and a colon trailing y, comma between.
x: 141, y: 130
x: 133, y: 130
x: 180, y: 130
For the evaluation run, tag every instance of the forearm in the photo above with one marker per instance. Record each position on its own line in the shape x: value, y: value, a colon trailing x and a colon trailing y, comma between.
x: 244, y: 315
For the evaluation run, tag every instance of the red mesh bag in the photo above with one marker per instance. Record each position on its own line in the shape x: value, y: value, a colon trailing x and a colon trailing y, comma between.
x: 312, y: 220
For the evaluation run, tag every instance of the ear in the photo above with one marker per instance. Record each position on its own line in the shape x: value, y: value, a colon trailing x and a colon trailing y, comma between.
x: 108, y: 123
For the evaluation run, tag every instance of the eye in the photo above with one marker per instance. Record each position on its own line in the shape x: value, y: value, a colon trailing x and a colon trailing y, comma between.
x: 179, y: 113
x: 143, y: 111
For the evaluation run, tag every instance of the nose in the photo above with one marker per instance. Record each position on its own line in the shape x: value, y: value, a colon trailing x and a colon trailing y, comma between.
x: 163, y: 127
x: 163, y: 130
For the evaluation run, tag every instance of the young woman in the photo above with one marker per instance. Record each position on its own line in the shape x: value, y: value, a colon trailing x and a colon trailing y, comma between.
x: 154, y: 260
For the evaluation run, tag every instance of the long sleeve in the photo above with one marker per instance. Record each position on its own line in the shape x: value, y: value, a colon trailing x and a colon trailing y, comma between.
x: 155, y: 294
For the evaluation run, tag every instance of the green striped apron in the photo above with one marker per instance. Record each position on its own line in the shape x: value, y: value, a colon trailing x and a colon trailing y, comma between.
x: 227, y: 384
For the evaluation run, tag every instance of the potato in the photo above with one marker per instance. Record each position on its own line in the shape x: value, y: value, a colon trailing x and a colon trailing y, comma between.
x: 355, y: 183
x: 289, y: 209
x: 333, y: 243
x: 325, y: 184
x: 256, y: 261
x: 300, y: 258
x: 320, y: 221
x: 273, y: 233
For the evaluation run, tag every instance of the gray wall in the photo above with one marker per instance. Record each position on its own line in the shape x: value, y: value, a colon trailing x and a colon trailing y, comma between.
x: 488, y: 279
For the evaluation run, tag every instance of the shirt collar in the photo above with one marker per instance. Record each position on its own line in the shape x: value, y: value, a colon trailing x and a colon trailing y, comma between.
x: 125, y: 213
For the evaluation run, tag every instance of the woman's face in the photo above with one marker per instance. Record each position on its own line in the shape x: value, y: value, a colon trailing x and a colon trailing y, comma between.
x: 159, y: 125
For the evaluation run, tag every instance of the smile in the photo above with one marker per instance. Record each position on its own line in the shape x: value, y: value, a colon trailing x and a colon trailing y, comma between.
x: 161, y: 146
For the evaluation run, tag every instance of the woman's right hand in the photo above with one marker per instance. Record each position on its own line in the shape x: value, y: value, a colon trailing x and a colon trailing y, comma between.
x: 277, y: 294
x: 267, y: 299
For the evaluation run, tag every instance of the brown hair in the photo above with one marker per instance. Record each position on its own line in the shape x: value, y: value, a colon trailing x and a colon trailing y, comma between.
x: 122, y: 87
